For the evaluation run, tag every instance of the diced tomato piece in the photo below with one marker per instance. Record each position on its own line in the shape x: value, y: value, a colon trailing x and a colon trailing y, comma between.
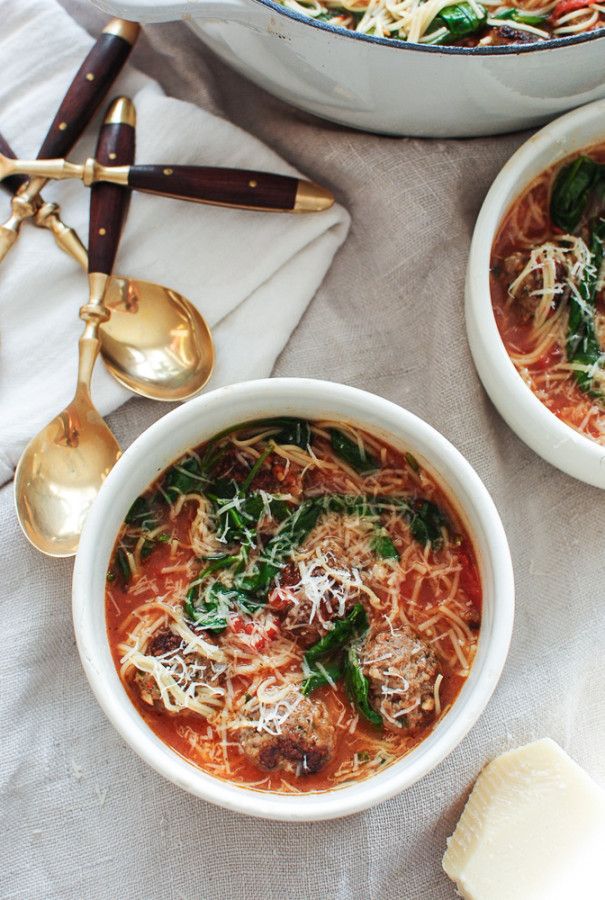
x: 567, y: 6
x: 281, y: 598
x: 258, y: 634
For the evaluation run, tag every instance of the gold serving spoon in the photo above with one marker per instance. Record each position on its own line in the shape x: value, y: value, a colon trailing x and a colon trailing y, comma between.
x: 63, y: 467
x: 155, y: 343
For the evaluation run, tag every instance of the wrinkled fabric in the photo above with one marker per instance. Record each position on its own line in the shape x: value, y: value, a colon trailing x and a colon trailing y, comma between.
x: 83, y: 816
x: 250, y: 274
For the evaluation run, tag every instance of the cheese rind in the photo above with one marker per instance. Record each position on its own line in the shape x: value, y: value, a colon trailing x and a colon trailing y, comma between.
x: 533, y: 829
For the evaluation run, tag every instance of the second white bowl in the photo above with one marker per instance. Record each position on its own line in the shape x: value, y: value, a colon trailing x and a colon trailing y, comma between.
x: 539, y: 428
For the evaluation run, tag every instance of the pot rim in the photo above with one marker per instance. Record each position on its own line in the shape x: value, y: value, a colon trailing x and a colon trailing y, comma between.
x: 156, y: 11
x: 174, y: 10
x: 393, y: 43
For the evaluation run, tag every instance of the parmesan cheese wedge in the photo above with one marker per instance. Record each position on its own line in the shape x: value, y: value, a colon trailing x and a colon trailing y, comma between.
x: 533, y: 829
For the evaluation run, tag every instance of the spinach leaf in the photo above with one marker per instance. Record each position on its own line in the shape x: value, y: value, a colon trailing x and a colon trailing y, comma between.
x: 209, y: 607
x: 255, y: 468
x: 321, y: 674
x: 455, y: 22
x: 352, y: 453
x: 383, y: 546
x: 291, y: 534
x: 358, y: 688
x: 571, y: 191
x: 183, y: 478
x: 426, y: 522
x: 583, y: 346
x: 348, y: 505
x: 517, y: 15
x: 221, y: 562
x: 141, y: 515
x: 355, y: 623
x: 293, y: 431
x: 461, y: 19
x: 324, y: 660
x: 238, y: 513
x: 123, y: 565
x: 425, y: 518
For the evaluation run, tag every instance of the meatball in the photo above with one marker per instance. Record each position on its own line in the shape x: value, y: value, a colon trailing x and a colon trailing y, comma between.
x: 301, y: 738
x: 401, y: 670
x: 529, y: 290
x: 504, y: 35
x: 275, y: 476
x: 309, y: 600
x: 186, y: 669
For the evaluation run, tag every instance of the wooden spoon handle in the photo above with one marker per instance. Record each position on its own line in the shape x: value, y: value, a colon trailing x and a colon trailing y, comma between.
x: 89, y: 86
x: 206, y: 184
x: 13, y: 182
x: 109, y: 202
x: 239, y: 188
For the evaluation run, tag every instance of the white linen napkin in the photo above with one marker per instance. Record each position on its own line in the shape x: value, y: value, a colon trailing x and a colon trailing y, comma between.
x: 250, y: 274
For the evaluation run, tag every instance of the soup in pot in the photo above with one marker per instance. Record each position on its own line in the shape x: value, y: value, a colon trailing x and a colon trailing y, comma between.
x: 468, y: 23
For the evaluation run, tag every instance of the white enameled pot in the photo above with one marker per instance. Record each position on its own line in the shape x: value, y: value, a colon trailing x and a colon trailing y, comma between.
x: 390, y: 87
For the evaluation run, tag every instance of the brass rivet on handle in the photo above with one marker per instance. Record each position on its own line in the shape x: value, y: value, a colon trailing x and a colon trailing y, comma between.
x: 102, y: 231
x: 90, y: 76
x: 62, y: 126
x: 167, y: 171
x: 113, y: 155
x: 253, y: 184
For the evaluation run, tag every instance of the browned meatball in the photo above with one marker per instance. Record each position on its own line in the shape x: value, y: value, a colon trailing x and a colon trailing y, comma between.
x: 504, y: 35
x: 301, y: 741
x: 185, y: 668
x: 401, y: 670
x: 275, y: 476
x: 528, y: 292
x: 309, y: 605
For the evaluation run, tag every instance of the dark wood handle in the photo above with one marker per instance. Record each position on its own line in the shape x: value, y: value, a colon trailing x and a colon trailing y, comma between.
x: 109, y: 202
x: 89, y: 87
x: 226, y: 187
x: 13, y: 182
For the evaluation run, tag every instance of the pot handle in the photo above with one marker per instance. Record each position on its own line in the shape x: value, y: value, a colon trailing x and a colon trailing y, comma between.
x: 148, y: 12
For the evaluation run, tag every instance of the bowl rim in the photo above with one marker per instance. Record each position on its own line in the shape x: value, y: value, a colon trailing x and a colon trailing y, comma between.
x: 553, y: 440
x: 462, y: 485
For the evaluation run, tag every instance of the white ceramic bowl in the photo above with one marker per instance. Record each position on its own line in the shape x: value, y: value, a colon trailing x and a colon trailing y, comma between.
x: 197, y: 421
x: 385, y: 86
x: 518, y: 405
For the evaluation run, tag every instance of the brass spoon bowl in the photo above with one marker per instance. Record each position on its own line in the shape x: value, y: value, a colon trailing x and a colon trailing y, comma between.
x: 156, y: 343
x: 64, y: 465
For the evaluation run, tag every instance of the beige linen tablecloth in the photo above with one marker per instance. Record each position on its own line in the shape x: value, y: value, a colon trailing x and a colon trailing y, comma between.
x: 82, y: 816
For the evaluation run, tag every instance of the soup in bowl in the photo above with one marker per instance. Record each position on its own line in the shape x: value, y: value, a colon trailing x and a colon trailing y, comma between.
x: 535, y: 294
x: 293, y: 598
